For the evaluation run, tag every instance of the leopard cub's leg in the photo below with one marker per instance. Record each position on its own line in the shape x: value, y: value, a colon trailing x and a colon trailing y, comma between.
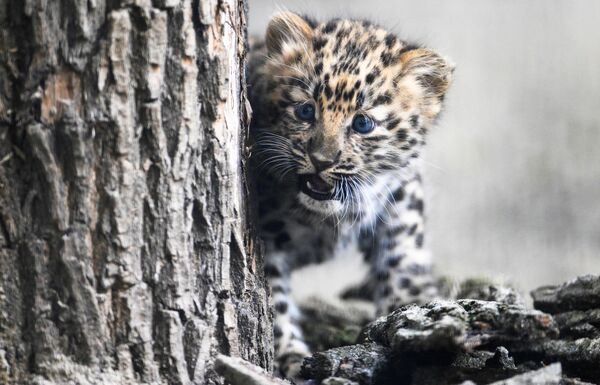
x: 290, y: 348
x: 401, y: 266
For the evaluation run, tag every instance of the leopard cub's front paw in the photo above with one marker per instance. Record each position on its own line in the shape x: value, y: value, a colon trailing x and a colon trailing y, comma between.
x: 289, y: 361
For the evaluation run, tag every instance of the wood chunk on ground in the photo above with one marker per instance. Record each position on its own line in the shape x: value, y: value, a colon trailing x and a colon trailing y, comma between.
x: 582, y: 293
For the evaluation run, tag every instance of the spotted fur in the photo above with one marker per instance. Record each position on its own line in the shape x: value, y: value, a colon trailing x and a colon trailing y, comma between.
x: 343, y: 68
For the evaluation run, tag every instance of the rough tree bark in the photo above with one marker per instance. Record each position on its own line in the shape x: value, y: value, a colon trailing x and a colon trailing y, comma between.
x: 125, y: 250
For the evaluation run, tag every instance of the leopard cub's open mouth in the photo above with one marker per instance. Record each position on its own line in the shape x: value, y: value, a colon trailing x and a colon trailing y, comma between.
x: 315, y: 187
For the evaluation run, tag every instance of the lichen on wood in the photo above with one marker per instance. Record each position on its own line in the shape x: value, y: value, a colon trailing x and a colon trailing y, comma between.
x: 492, y: 338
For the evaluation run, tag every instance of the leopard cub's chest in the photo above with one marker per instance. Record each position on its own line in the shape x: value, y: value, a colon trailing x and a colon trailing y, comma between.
x: 302, y: 239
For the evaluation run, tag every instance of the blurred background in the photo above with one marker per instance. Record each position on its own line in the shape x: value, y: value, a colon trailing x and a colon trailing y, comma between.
x: 513, y: 169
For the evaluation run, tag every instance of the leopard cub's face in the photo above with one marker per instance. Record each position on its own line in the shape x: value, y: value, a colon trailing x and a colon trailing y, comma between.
x: 350, y: 106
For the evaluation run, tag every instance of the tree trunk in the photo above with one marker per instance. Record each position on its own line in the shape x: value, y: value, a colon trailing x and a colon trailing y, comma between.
x: 126, y: 254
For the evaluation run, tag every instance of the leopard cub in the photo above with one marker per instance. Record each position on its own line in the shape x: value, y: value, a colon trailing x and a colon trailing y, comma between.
x: 341, y: 110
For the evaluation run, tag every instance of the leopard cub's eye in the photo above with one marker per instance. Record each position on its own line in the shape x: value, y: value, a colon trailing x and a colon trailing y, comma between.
x: 362, y: 124
x: 305, y: 111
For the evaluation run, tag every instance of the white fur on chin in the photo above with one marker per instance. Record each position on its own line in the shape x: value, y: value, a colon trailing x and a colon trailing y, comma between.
x: 327, y: 207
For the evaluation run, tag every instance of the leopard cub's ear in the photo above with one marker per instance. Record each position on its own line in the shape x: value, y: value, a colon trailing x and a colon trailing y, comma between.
x: 287, y: 28
x: 430, y: 69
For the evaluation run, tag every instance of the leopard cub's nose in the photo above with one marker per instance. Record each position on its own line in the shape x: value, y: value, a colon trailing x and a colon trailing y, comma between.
x: 322, y: 162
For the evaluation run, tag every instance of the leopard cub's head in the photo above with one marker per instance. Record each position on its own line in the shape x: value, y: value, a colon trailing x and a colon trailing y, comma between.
x: 349, y: 104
